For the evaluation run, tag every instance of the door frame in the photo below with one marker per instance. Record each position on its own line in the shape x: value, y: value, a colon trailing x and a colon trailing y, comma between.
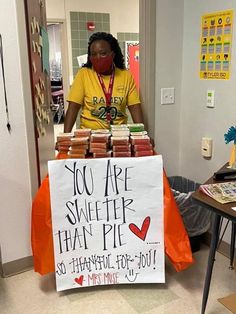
x: 64, y: 57
x: 147, y: 41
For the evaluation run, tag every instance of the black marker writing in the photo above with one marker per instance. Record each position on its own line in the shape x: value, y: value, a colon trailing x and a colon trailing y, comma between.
x: 86, y: 211
x: 124, y: 261
x: 81, y: 178
x: 113, y: 234
x: 93, y: 262
x: 61, y: 269
x: 70, y: 240
x: 114, y: 174
x: 146, y: 259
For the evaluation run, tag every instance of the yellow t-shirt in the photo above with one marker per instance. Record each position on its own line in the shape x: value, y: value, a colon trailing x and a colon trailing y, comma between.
x: 86, y: 90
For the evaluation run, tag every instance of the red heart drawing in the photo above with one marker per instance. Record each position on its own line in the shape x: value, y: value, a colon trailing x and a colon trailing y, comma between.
x: 80, y: 280
x: 143, y: 232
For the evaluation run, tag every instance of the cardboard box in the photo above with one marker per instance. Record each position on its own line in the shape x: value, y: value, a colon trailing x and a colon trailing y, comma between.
x: 229, y: 302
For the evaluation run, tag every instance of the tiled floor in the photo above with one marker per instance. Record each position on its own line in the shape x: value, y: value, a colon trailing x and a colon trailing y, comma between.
x: 29, y: 293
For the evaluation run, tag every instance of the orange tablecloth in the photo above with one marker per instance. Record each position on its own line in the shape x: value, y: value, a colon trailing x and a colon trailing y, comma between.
x: 177, y: 246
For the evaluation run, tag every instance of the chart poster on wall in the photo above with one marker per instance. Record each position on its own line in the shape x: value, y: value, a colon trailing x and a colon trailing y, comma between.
x: 132, y: 59
x: 216, y: 45
x: 107, y: 218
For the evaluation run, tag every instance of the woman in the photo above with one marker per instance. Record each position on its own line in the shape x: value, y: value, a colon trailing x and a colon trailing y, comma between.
x: 103, y: 88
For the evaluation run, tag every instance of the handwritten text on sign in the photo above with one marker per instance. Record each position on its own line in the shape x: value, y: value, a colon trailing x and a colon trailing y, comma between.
x: 107, y: 217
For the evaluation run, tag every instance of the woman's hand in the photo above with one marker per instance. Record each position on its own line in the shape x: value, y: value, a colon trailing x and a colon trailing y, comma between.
x: 152, y: 142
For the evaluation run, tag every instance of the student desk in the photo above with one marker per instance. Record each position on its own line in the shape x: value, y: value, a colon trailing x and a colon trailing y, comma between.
x: 220, y: 211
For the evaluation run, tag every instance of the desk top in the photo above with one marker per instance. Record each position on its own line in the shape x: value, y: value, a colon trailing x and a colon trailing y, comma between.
x: 222, y: 209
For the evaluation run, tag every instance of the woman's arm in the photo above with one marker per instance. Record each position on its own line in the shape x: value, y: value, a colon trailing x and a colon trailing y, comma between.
x: 136, y: 113
x: 71, y: 115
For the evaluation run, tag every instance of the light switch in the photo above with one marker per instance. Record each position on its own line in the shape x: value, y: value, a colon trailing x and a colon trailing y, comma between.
x: 167, y: 96
x: 210, y: 98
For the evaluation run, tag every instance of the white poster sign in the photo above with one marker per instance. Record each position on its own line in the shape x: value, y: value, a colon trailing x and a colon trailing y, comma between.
x: 107, y: 217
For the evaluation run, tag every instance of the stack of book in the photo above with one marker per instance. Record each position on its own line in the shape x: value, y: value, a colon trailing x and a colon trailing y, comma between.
x: 136, y: 127
x: 82, y: 133
x: 120, y: 141
x: 79, y: 147
x: 99, y: 143
x: 64, y: 142
x: 141, y: 145
x: 121, y: 146
x: 121, y: 130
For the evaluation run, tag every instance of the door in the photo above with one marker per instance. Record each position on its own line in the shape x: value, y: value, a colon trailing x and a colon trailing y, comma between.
x: 36, y: 25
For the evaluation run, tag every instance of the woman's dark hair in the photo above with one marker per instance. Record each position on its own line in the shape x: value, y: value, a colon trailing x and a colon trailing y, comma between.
x: 112, y: 41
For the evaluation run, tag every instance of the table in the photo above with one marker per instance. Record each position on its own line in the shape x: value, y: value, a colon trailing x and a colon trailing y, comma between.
x: 177, y: 246
x: 220, y: 211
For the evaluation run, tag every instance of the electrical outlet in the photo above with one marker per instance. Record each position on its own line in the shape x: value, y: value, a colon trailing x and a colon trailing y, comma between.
x: 207, y: 147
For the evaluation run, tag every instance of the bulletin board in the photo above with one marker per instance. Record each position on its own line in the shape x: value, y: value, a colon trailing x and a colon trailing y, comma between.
x: 216, y: 45
x: 38, y: 50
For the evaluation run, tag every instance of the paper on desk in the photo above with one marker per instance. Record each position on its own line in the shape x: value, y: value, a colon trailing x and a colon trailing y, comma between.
x: 221, y: 192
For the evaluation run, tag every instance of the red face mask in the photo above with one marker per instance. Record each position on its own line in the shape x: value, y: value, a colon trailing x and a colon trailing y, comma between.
x: 103, y: 64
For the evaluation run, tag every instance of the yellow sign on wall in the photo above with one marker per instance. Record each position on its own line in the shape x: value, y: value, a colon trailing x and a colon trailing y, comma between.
x: 216, y: 42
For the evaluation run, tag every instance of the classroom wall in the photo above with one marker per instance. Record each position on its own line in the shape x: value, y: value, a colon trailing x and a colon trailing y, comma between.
x: 119, y: 11
x: 169, y: 50
x: 180, y: 127
x: 18, y: 176
x: 197, y: 120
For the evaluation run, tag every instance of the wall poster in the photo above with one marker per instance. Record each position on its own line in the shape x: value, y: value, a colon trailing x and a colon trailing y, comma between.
x: 216, y: 45
x: 107, y: 218
x: 132, y: 59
